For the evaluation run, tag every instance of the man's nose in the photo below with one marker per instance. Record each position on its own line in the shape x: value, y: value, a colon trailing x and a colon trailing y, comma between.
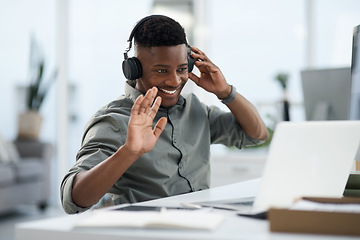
x: 174, y: 80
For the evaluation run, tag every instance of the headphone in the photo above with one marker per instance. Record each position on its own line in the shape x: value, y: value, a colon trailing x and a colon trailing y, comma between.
x: 132, y: 67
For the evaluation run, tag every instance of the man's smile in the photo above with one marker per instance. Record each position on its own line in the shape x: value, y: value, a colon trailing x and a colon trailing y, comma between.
x: 168, y: 91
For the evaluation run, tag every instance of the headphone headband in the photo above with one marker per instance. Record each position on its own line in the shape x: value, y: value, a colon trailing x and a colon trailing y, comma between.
x: 131, y: 36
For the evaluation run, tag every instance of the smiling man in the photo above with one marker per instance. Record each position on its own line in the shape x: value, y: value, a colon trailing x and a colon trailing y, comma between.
x: 153, y: 142
x: 166, y: 68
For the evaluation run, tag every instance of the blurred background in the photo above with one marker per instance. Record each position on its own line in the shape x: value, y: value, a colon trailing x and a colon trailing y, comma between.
x: 84, y: 40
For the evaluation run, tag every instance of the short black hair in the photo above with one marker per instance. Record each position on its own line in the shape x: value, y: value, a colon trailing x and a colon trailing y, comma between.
x: 160, y: 31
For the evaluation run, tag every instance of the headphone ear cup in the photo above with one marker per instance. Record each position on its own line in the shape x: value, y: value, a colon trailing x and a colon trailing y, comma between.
x: 132, y: 68
x: 191, y: 63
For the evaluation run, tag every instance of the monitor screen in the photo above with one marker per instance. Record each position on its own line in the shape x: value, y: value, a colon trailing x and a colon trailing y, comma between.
x: 327, y: 93
x: 355, y: 76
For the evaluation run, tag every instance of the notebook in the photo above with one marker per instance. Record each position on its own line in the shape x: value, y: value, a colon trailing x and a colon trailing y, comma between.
x: 312, y: 158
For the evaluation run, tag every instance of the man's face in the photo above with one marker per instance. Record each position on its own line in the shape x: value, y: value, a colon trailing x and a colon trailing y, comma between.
x: 165, y: 68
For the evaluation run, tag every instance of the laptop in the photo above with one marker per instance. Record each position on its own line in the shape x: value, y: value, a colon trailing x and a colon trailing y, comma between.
x: 312, y: 158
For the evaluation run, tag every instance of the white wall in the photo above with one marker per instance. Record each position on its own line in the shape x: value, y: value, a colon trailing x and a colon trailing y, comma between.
x: 250, y: 40
x: 18, y: 20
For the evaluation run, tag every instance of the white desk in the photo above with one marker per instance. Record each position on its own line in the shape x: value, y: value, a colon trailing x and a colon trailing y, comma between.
x: 234, y: 227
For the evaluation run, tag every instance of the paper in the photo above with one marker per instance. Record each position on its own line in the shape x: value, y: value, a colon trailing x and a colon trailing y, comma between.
x: 145, y: 219
x: 327, y: 207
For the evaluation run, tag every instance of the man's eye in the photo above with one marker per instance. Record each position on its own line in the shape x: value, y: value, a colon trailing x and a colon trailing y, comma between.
x: 161, y: 70
x: 182, y: 69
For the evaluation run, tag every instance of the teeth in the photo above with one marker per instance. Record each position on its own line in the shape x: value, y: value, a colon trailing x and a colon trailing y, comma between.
x: 166, y: 91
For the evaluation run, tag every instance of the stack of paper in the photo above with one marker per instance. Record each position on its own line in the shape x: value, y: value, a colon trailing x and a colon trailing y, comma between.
x: 187, y: 219
x: 306, y: 205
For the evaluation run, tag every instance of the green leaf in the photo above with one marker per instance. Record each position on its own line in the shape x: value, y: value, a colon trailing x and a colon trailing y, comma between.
x: 282, y: 78
x: 38, y: 89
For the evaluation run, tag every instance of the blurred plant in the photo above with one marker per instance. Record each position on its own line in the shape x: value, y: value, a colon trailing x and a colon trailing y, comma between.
x: 271, y: 128
x: 283, y: 79
x: 39, y: 87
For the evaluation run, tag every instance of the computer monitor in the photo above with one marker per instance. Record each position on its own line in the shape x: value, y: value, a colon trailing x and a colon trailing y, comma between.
x: 327, y: 93
x: 355, y: 76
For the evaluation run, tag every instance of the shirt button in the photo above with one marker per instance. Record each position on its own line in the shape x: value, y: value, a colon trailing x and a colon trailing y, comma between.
x: 174, y: 140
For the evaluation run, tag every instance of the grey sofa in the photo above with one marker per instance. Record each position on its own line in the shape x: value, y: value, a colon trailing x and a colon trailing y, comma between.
x: 25, y: 179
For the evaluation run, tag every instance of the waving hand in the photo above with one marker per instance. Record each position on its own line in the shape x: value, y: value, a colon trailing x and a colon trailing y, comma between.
x: 141, y: 136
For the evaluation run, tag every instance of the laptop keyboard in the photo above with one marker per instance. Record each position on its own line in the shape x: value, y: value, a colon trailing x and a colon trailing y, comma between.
x: 232, y: 204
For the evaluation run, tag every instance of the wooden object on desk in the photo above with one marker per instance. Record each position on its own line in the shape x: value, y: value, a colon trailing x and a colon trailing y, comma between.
x: 317, y: 222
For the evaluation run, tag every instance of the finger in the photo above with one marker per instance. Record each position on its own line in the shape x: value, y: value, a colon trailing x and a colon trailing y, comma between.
x: 201, y: 58
x: 136, y: 107
x: 148, y: 100
x: 209, y: 66
x: 159, y: 127
x: 195, y: 49
x: 155, y: 107
x: 198, y: 57
x: 194, y: 78
x: 154, y: 91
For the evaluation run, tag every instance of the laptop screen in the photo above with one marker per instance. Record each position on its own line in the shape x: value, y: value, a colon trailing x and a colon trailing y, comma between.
x: 355, y: 76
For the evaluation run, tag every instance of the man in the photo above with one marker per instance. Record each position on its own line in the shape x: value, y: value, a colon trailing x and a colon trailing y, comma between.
x: 153, y: 142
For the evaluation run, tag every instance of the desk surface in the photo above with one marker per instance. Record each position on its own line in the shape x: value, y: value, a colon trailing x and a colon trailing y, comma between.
x: 234, y: 227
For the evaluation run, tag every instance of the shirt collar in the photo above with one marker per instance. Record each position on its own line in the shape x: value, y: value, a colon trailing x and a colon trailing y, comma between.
x: 130, y: 91
x: 133, y: 94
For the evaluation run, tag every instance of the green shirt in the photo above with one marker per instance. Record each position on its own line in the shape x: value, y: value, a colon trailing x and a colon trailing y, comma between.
x: 179, y: 162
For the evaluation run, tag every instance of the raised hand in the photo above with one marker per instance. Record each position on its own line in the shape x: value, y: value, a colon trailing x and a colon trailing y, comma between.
x: 141, y: 137
x: 211, y: 78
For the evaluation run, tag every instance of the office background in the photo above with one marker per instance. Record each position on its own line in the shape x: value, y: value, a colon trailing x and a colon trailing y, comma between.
x: 251, y: 41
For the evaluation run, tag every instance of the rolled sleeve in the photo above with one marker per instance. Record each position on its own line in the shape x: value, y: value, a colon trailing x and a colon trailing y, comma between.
x: 102, y: 137
x: 227, y: 131
x: 66, y: 195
